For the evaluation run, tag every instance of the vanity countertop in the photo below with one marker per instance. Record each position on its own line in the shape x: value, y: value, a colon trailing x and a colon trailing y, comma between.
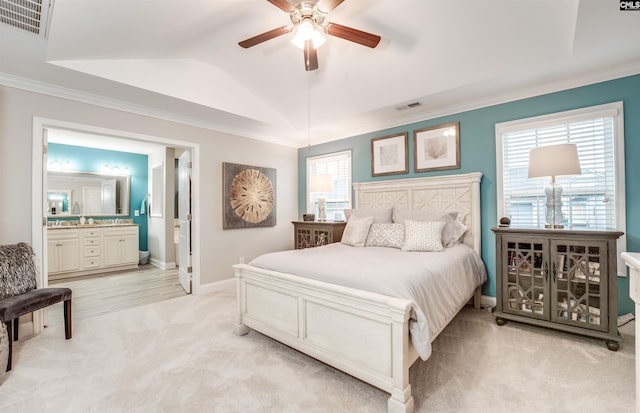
x: 75, y: 225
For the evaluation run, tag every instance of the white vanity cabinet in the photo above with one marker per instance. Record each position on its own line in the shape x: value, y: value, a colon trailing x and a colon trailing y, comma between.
x: 91, y: 248
x: 63, y: 251
x: 120, y: 246
x: 87, y: 250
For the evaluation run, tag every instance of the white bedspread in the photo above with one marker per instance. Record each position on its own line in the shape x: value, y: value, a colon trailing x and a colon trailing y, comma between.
x: 438, y: 283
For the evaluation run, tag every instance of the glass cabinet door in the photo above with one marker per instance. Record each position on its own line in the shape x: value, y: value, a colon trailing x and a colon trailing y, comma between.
x: 526, y: 281
x: 579, y: 296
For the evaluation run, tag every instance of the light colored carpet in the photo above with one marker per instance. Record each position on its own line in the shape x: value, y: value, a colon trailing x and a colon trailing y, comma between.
x: 181, y: 355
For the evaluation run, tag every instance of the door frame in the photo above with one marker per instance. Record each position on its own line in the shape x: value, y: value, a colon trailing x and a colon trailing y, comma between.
x: 38, y: 222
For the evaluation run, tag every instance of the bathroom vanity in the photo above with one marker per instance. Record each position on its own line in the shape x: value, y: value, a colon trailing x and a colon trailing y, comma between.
x: 75, y: 250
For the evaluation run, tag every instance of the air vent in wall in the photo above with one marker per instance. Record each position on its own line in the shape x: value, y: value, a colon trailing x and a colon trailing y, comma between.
x: 409, y: 106
x: 29, y: 15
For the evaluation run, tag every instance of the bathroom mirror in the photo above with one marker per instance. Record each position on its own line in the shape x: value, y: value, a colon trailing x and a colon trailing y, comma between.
x: 72, y: 193
x: 58, y: 201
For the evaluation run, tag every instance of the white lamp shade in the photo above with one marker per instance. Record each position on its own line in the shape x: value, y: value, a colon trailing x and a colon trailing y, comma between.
x: 554, y: 160
x: 320, y: 183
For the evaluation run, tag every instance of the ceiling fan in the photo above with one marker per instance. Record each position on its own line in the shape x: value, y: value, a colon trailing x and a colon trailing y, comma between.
x: 308, y: 17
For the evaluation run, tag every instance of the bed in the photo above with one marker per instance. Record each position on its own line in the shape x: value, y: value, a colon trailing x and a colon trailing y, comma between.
x: 361, y: 332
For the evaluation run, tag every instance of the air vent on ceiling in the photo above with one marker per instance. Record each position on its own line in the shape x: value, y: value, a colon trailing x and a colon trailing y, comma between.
x: 409, y: 106
x: 29, y: 15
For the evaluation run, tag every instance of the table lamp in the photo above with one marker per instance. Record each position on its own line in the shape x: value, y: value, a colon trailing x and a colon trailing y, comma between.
x: 321, y: 184
x: 552, y: 161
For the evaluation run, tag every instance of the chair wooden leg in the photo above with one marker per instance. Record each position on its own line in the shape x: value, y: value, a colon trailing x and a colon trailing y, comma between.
x: 67, y: 319
x: 16, y: 327
x: 10, y: 339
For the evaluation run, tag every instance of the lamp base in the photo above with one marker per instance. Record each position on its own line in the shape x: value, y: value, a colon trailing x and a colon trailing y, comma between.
x: 322, y: 209
x: 553, y: 215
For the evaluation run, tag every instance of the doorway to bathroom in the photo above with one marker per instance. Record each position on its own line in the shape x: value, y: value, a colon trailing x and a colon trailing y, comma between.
x: 161, y: 273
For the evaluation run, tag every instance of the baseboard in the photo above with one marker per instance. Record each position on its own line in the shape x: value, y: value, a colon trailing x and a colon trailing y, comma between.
x: 486, y: 300
x: 162, y: 265
x: 217, y: 286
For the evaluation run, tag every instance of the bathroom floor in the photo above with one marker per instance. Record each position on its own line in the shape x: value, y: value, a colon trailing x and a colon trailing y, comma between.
x: 105, y: 293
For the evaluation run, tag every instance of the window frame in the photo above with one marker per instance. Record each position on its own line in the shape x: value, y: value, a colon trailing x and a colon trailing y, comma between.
x: 614, y: 110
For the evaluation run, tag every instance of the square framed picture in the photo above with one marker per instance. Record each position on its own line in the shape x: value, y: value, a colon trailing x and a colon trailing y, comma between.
x: 437, y: 148
x: 390, y: 155
x: 249, y: 196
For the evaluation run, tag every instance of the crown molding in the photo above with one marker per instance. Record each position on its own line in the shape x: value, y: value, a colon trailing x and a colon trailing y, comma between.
x: 116, y: 104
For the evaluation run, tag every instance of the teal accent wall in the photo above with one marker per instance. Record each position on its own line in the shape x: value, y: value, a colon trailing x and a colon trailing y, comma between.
x: 94, y: 160
x: 478, y: 154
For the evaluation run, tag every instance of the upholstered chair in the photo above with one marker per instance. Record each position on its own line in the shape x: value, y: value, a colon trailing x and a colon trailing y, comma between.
x: 19, y: 294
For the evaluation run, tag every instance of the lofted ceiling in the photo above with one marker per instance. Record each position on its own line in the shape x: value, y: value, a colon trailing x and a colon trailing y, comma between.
x: 180, y: 59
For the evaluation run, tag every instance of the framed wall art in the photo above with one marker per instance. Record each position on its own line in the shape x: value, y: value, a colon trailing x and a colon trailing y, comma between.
x: 390, y: 155
x: 249, y: 196
x: 437, y: 147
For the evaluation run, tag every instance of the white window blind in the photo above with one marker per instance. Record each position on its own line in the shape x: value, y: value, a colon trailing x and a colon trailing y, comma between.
x: 594, y: 200
x: 338, y: 165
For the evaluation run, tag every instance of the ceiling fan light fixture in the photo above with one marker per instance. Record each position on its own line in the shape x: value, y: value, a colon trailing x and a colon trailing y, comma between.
x: 308, y: 31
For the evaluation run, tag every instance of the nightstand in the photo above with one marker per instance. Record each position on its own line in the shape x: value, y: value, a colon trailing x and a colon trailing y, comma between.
x: 308, y: 234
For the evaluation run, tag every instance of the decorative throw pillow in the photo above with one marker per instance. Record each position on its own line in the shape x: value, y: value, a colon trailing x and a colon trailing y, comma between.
x: 453, y: 231
x: 423, y: 235
x: 355, y: 233
x: 379, y: 215
x: 385, y: 235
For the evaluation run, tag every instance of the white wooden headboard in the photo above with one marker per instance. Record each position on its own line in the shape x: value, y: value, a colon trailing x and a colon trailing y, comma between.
x: 459, y: 193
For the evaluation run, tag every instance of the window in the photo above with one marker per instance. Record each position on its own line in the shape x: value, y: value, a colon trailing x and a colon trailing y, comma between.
x: 593, y: 200
x: 338, y: 165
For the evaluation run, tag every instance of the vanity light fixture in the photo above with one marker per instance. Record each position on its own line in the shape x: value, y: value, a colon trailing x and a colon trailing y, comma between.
x: 116, y: 169
x: 57, y: 165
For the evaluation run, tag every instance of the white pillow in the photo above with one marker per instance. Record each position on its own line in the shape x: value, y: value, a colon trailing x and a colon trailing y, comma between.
x: 355, y: 233
x: 453, y: 231
x: 385, y: 235
x: 379, y: 215
x: 423, y: 235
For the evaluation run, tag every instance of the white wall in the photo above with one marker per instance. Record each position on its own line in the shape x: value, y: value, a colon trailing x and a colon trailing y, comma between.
x: 219, y: 249
x: 160, y: 229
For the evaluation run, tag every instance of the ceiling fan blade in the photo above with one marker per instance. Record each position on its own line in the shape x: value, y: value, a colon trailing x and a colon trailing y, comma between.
x: 252, y: 41
x: 326, y: 6
x: 283, y: 5
x: 353, y: 35
x: 310, y: 56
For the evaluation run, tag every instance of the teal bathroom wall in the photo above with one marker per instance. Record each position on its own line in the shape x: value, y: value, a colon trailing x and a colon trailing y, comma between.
x: 478, y: 154
x: 94, y: 160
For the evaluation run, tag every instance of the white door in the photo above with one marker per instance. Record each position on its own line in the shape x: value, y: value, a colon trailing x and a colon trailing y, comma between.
x: 184, y: 219
x: 44, y: 214
x: 91, y: 200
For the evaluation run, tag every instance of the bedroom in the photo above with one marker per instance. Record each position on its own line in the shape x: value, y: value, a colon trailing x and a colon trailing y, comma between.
x: 219, y: 249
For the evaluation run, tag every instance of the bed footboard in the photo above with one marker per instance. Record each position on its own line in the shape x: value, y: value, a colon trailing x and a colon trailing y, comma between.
x: 363, y: 334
